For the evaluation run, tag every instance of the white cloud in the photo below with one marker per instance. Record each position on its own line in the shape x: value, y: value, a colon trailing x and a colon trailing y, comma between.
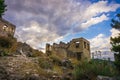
x: 100, y: 43
x: 95, y: 13
x: 100, y: 7
x: 114, y: 32
x: 40, y: 21
x: 33, y: 34
x: 93, y: 21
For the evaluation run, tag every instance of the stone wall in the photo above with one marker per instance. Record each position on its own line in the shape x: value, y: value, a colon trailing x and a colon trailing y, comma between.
x: 6, y: 28
x: 78, y: 48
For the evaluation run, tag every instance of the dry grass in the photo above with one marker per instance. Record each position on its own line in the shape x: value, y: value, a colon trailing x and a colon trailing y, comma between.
x: 58, y: 70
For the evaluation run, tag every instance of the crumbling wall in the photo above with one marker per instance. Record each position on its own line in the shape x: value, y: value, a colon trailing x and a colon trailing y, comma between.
x: 77, y: 48
x: 6, y: 28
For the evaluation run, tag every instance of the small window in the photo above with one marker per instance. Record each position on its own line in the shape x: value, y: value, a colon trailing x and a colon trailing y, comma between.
x: 78, y: 55
x: 88, y: 46
x: 5, y: 28
x: 77, y: 44
x: 84, y: 44
x: 13, y: 29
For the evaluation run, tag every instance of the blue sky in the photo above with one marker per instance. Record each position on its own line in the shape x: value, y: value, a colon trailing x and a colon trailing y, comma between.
x: 46, y: 21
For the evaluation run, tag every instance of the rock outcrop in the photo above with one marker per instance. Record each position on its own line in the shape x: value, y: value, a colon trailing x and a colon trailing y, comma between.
x: 24, y: 49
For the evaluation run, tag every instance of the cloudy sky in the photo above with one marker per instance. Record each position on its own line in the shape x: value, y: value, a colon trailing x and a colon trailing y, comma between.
x: 46, y: 21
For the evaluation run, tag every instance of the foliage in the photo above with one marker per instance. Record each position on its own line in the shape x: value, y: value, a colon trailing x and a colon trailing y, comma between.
x: 2, y: 7
x: 5, y: 42
x: 90, y: 70
x: 116, y: 22
x: 36, y: 53
x: 3, y: 53
x: 116, y: 41
x: 57, y: 69
x: 56, y: 60
x: 45, y: 64
x: 115, y: 44
x: 7, y: 45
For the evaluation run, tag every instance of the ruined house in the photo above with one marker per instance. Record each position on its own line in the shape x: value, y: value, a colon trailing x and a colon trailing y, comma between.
x: 78, y: 48
x: 6, y: 28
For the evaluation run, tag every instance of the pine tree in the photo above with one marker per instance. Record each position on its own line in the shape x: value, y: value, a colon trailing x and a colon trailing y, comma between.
x: 116, y: 41
x: 2, y: 8
x: 116, y: 22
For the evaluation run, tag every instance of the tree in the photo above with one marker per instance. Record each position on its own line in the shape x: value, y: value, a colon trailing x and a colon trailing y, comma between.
x: 2, y: 7
x: 116, y: 22
x: 116, y: 41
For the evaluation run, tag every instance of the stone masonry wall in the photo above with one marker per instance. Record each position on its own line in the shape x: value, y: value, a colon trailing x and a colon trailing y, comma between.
x: 78, y: 48
x: 6, y: 28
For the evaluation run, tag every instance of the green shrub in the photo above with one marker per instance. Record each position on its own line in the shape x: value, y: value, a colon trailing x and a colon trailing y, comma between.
x: 5, y: 42
x: 90, y: 70
x: 36, y: 53
x: 3, y: 53
x: 56, y: 60
x: 45, y: 64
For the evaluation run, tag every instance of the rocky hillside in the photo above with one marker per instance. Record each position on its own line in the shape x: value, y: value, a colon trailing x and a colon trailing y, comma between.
x: 10, y: 46
x: 19, y: 61
x: 19, y: 68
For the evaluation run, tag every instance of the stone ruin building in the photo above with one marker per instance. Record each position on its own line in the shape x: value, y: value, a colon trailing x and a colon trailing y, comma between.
x: 78, y: 48
x: 6, y: 28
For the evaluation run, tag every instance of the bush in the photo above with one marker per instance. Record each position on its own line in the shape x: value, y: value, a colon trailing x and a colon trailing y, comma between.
x: 45, y: 64
x: 90, y: 70
x: 5, y: 42
x: 36, y: 53
x: 56, y: 60
x: 3, y: 53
